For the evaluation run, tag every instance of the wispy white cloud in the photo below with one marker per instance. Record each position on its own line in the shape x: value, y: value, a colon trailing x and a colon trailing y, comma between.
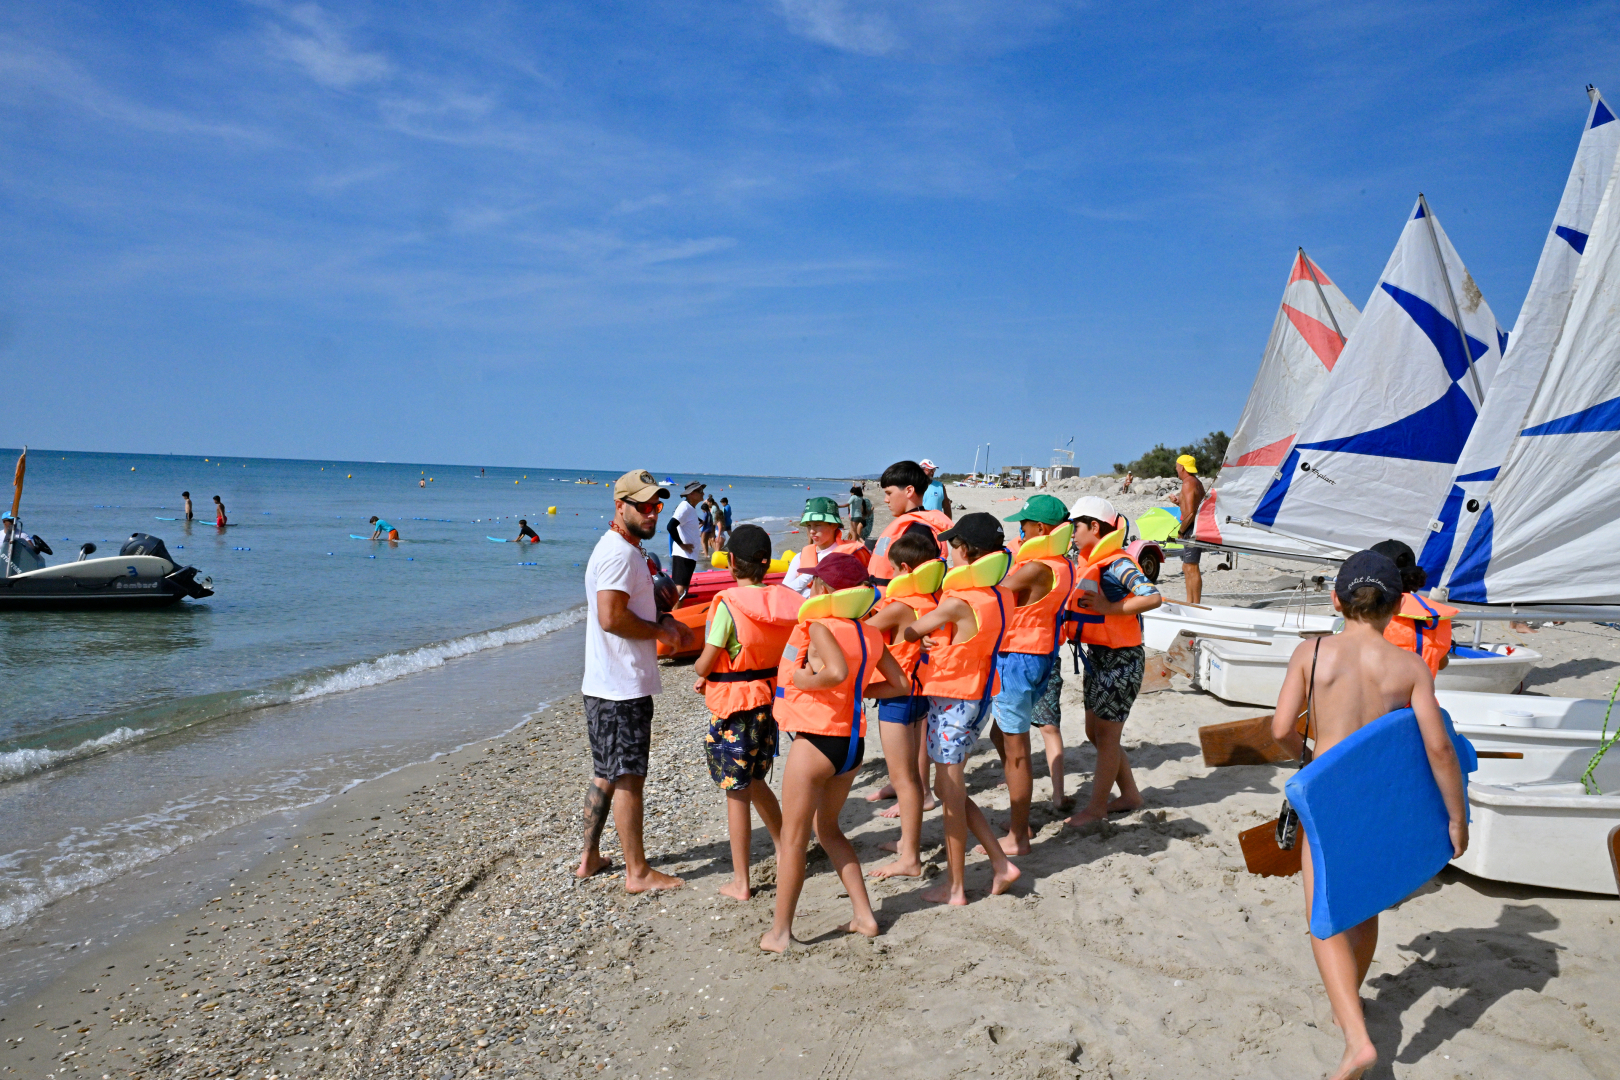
x: 837, y: 23
x: 28, y: 70
x: 311, y: 39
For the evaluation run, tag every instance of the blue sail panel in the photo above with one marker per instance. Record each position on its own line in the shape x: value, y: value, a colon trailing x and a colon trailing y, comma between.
x: 1468, y: 576
x: 1441, y: 331
x: 1604, y: 416
x: 1271, y: 502
x: 1435, y: 432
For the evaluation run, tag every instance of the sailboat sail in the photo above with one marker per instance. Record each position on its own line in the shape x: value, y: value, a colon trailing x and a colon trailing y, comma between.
x: 1550, y: 533
x: 1307, y: 337
x: 1375, y: 454
x: 1531, y: 344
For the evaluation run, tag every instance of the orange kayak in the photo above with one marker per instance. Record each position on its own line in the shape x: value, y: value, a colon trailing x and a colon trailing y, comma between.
x: 694, y: 616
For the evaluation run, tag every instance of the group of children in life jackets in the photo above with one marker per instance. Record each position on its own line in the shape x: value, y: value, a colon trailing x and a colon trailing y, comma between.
x: 948, y: 626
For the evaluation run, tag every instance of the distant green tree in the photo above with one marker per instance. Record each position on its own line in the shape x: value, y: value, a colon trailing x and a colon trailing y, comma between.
x: 1209, y: 452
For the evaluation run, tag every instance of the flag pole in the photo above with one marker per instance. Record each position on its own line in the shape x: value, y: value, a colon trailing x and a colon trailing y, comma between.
x: 1456, y: 315
x: 1310, y: 268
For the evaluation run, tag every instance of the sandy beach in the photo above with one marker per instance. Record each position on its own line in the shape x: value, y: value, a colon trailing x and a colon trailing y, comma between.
x: 428, y: 925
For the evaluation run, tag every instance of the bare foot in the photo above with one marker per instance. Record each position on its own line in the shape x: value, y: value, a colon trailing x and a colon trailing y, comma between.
x: 776, y: 943
x: 866, y: 927
x: 651, y: 881
x: 1086, y: 817
x: 737, y: 890
x: 889, y: 812
x: 884, y: 792
x: 1009, y: 846
x: 1122, y: 805
x: 911, y: 867
x: 591, y: 864
x: 1004, y: 879
x: 944, y: 894
x: 929, y: 803
x: 1356, y: 1061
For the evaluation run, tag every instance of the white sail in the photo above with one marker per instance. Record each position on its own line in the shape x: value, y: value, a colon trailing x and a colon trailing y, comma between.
x: 1531, y: 344
x: 1375, y: 455
x: 1550, y: 533
x: 1313, y: 321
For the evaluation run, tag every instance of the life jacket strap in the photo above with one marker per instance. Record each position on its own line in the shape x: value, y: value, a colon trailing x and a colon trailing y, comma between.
x: 751, y: 675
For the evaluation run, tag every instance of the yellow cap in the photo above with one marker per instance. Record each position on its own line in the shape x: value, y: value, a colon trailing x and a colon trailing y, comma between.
x: 1188, y: 462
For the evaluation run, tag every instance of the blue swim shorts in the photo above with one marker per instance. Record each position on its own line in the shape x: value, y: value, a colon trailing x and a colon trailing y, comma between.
x: 953, y: 728
x: 1023, y: 678
x: 902, y: 710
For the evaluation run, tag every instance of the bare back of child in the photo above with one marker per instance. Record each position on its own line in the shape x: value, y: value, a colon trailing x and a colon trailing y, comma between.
x: 1344, y: 682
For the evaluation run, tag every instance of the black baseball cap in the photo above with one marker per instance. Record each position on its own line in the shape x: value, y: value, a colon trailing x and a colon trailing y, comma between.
x: 750, y: 543
x: 1396, y: 552
x: 1368, y: 568
x: 979, y: 530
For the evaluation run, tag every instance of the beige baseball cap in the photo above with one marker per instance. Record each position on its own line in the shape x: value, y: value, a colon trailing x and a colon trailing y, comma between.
x: 638, y: 485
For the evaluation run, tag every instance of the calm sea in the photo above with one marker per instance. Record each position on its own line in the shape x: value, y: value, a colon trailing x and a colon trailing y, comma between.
x: 124, y: 736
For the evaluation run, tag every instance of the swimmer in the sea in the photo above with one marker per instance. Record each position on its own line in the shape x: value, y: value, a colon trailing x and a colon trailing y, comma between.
x: 219, y: 513
x: 526, y: 533
x: 186, y: 495
x: 381, y: 530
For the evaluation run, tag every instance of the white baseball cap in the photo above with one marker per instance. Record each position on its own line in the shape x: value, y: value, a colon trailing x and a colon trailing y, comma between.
x: 1094, y: 506
x: 927, y: 464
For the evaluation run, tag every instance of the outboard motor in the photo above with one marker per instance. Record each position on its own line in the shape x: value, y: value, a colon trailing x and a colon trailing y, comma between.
x: 145, y: 544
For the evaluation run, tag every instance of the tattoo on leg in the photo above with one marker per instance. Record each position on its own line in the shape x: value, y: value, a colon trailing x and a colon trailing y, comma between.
x: 598, y: 801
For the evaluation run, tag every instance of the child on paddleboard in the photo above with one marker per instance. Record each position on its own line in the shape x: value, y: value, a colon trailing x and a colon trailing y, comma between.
x: 831, y: 662
x: 748, y: 626
x: 1346, y: 681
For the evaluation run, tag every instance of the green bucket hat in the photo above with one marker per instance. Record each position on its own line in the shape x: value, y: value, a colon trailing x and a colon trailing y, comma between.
x: 1045, y: 509
x: 821, y: 508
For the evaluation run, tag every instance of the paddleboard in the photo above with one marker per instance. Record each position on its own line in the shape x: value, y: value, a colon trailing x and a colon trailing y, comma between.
x: 496, y: 539
x: 168, y: 519
x: 1377, y: 826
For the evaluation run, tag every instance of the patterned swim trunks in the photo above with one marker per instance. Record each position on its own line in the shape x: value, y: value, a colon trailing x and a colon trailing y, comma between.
x: 953, y: 728
x: 741, y: 748
x: 1048, y: 707
x: 1113, y: 679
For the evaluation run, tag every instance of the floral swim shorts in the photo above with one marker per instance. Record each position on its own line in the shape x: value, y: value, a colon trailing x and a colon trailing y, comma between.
x: 741, y: 748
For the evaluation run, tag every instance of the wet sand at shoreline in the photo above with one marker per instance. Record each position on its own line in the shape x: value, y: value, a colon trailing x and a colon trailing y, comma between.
x: 428, y: 925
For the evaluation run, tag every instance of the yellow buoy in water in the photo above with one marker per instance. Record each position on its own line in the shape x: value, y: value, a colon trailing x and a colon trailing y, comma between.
x: 551, y: 509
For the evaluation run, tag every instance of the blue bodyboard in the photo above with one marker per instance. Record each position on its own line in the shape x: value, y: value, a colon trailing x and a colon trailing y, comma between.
x: 1376, y: 823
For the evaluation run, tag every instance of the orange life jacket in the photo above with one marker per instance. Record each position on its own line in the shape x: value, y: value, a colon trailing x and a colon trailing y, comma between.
x: 909, y: 654
x: 1109, y: 631
x: 882, y: 570
x: 1424, y: 627
x: 967, y: 670
x: 837, y: 711
x: 1036, y: 628
x: 764, y: 618
x: 811, y: 555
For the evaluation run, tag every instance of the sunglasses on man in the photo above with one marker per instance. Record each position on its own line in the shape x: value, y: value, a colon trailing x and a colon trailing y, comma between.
x: 648, y: 508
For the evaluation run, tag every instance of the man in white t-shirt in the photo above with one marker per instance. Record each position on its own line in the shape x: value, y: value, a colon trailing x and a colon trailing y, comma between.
x: 686, y: 536
x: 622, y: 631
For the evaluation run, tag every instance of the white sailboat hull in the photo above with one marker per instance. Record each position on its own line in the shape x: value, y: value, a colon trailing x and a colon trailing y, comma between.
x: 1545, y: 833
x: 1252, y: 674
x: 1161, y: 625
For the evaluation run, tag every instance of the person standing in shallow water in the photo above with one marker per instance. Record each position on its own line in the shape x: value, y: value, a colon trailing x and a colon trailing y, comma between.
x: 186, y: 495
x: 622, y: 630
x: 219, y: 513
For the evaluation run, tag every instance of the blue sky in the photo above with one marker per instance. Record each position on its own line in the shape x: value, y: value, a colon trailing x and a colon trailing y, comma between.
x: 778, y: 236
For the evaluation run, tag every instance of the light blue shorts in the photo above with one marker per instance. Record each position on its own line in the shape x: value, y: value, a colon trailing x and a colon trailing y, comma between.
x: 1023, y: 678
x: 953, y: 728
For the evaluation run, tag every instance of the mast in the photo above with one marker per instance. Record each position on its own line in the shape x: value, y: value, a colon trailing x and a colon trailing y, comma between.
x: 1456, y: 314
x: 1310, y: 268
